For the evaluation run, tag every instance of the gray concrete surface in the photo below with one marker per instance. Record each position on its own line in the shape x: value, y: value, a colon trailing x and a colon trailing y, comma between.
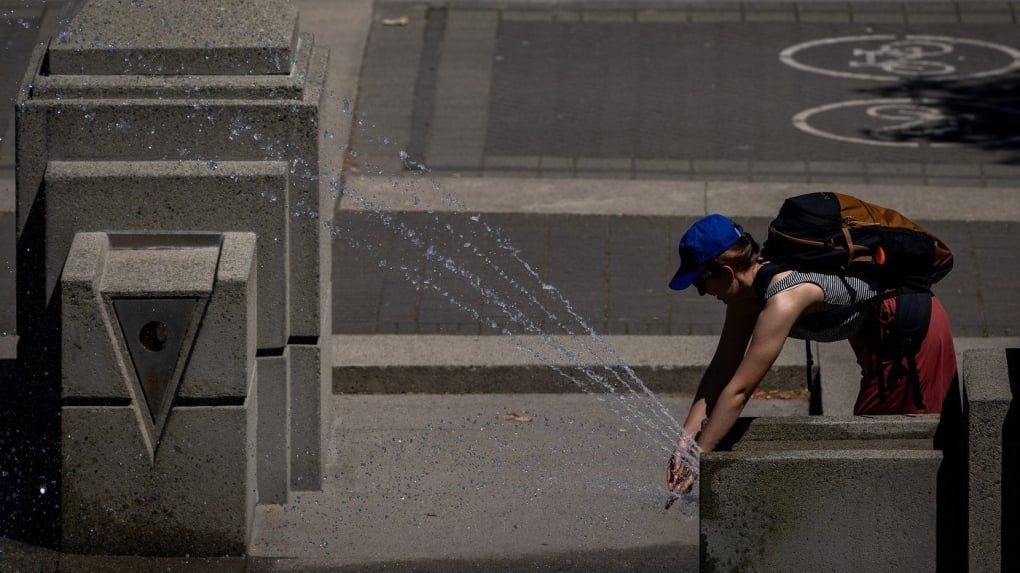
x: 205, y: 39
x: 536, y: 364
x: 605, y: 89
x: 993, y: 378
x: 496, y: 482
x: 824, y: 507
x: 486, y: 478
x: 328, y: 525
x: 135, y: 479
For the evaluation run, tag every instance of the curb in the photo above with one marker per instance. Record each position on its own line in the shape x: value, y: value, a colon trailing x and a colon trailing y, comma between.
x: 388, y: 364
x: 662, y: 198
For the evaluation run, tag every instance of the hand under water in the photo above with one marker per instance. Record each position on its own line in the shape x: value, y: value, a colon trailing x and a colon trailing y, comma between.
x: 682, y: 468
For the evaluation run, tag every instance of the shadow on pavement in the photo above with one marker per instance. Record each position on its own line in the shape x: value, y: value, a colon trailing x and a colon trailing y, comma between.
x: 979, y: 113
x: 670, y: 558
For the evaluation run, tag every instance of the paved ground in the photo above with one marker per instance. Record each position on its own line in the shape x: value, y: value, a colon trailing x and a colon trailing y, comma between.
x: 458, y: 483
x: 810, y: 93
x: 590, y: 157
x: 612, y: 269
x: 884, y: 93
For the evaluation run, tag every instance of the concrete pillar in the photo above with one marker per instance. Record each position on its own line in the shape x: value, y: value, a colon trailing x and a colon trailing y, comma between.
x: 159, y: 396
x: 991, y: 378
x: 176, y: 116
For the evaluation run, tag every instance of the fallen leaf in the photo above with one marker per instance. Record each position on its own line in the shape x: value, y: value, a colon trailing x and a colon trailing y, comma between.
x: 801, y: 394
x: 515, y: 417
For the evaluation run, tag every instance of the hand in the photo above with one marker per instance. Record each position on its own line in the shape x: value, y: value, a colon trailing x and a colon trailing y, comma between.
x: 683, y: 467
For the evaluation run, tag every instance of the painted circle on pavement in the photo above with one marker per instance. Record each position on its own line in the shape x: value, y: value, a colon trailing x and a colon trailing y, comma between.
x: 886, y: 57
x: 905, y: 122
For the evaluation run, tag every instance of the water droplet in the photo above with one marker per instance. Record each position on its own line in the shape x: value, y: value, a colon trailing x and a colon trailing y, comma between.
x: 42, y: 490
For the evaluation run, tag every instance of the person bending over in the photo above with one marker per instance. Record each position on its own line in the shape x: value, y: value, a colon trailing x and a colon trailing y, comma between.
x: 765, y: 304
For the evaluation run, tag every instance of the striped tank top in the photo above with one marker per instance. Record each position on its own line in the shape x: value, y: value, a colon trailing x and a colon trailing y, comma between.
x: 842, y: 313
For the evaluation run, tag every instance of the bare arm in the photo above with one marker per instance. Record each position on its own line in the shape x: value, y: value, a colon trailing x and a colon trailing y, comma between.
x: 767, y: 338
x: 737, y: 328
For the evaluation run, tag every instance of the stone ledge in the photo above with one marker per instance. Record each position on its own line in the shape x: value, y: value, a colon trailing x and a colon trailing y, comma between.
x: 739, y: 200
x: 469, y: 364
x: 167, y: 38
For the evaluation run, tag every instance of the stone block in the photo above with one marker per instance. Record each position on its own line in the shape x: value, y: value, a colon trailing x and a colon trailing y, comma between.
x: 177, y: 119
x: 819, y: 510
x: 183, y: 196
x: 89, y: 355
x: 273, y: 465
x: 226, y: 344
x: 831, y: 432
x: 193, y: 498
x: 290, y: 86
x: 991, y: 378
x: 177, y: 37
x: 204, y: 120
x: 216, y: 271
x: 159, y: 421
x: 304, y: 401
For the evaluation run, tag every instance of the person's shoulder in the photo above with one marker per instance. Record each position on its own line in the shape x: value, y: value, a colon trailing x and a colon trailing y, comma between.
x: 767, y: 275
x: 806, y: 290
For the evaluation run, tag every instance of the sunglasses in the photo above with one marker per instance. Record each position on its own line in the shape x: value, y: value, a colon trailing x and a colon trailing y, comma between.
x: 706, y: 273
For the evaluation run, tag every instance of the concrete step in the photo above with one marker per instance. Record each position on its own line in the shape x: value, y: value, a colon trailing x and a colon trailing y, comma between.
x: 535, y: 363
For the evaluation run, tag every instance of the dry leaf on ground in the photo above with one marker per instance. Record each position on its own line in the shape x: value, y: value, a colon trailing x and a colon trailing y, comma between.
x: 515, y: 417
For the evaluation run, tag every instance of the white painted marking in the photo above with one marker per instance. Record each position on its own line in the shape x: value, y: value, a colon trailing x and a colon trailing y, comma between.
x: 912, y: 56
x: 921, y: 118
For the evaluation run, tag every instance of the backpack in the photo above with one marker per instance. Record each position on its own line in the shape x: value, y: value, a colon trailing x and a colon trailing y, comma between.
x: 833, y: 232
x: 840, y: 233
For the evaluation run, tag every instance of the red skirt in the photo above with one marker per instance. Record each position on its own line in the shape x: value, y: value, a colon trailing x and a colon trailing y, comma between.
x: 935, y: 362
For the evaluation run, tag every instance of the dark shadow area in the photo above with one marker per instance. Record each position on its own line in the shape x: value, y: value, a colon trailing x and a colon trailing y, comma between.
x: 656, y: 558
x: 814, y: 383
x: 651, y: 559
x: 736, y: 433
x: 1011, y: 469
x: 951, y: 484
x: 981, y: 113
x: 30, y: 444
x: 30, y: 400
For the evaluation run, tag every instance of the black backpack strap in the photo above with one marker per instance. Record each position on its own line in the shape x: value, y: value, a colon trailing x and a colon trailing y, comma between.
x: 915, y: 382
x: 910, y: 327
x: 908, y: 331
x: 913, y: 314
x: 763, y: 278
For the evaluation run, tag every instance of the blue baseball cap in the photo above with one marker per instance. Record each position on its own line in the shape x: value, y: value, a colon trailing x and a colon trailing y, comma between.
x: 708, y: 238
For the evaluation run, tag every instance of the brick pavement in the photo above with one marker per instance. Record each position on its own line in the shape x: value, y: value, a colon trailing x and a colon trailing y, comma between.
x: 550, y: 86
x: 639, y: 91
x: 612, y: 269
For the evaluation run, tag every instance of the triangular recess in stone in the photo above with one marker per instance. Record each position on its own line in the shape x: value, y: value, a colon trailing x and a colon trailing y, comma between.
x: 154, y: 331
